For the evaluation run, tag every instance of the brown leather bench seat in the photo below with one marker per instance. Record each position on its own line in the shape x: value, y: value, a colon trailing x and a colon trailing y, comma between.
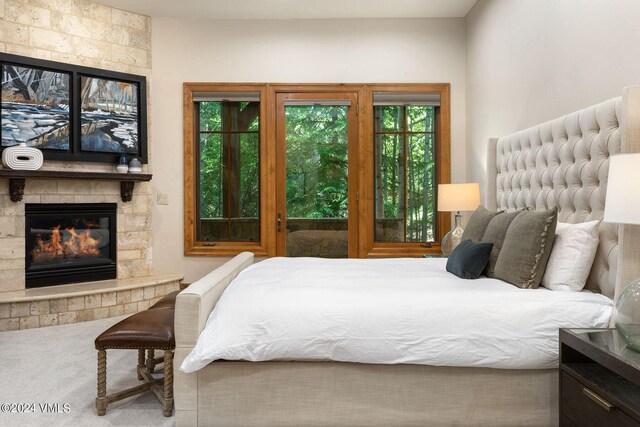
x: 147, y: 330
x: 167, y: 301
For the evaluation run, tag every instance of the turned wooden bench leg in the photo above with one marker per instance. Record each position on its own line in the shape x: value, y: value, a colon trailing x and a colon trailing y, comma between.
x: 101, y: 400
x: 151, y: 362
x: 167, y: 404
x: 141, y: 366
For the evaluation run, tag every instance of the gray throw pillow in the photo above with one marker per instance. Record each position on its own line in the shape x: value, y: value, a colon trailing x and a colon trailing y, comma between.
x: 495, y: 233
x: 468, y: 259
x: 477, y: 224
x: 526, y: 248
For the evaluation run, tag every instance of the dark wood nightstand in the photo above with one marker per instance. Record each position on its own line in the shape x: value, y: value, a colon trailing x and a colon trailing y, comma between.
x: 599, y: 379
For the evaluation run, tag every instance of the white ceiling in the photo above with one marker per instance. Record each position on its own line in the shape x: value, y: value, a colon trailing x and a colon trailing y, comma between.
x: 295, y: 9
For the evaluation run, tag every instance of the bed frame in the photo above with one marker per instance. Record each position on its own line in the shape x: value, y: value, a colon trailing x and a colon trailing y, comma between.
x: 561, y: 163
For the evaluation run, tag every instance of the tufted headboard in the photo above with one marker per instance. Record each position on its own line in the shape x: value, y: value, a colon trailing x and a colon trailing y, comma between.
x: 564, y: 163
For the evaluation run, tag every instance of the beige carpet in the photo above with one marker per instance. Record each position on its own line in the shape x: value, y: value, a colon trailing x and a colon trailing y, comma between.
x: 57, y: 365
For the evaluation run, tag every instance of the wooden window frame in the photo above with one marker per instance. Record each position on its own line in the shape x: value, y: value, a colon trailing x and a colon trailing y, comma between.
x: 369, y: 248
x: 193, y: 247
x: 404, y: 135
x: 365, y: 193
x: 326, y: 92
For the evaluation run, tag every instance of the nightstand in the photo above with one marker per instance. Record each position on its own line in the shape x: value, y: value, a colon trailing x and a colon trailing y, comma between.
x: 599, y: 379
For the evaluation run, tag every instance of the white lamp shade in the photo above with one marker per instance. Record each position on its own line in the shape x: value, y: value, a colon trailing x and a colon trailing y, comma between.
x: 458, y: 197
x: 622, y: 204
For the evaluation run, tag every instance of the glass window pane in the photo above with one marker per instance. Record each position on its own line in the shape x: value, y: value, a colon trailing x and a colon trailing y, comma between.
x: 229, y: 172
x: 210, y: 116
x: 249, y: 113
x: 389, y: 118
x: 389, y: 197
x: 211, y: 176
x: 316, y: 162
x: 420, y: 219
x: 243, y: 116
x: 317, y: 181
x: 405, y: 194
x: 420, y: 118
x: 212, y: 226
x: 249, y: 175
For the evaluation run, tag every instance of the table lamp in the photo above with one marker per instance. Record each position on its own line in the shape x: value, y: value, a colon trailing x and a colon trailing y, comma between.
x: 622, y: 206
x: 456, y: 198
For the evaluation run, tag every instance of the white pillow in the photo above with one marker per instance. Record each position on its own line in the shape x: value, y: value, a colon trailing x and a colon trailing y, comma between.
x: 574, y: 250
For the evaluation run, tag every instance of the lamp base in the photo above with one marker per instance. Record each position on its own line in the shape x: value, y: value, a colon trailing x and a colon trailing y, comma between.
x: 626, y: 314
x: 453, y: 237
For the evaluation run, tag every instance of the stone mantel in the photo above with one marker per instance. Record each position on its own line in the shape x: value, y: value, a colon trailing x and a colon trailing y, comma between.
x: 17, y: 180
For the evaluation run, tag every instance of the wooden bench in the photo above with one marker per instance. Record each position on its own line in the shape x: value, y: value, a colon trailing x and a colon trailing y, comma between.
x: 149, y: 330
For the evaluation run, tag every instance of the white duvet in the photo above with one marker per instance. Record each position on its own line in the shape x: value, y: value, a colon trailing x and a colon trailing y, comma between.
x: 388, y: 311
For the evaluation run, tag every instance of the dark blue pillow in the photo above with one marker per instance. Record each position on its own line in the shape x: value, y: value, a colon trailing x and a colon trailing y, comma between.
x: 469, y: 259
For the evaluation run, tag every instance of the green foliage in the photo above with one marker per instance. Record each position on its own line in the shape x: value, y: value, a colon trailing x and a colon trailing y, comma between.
x: 211, y: 116
x: 317, y: 162
x: 249, y: 175
x: 229, y: 160
x: 211, y: 176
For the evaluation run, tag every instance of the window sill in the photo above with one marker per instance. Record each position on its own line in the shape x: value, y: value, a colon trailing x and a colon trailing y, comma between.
x: 399, y: 250
x: 224, y: 249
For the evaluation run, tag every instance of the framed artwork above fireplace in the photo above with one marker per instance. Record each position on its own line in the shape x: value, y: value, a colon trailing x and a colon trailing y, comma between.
x: 36, y: 107
x: 72, y: 112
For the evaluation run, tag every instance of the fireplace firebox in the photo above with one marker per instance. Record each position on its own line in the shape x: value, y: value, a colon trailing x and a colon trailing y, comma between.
x: 68, y: 243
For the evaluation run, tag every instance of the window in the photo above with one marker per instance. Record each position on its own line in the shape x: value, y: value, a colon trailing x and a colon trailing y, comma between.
x: 333, y: 170
x: 224, y: 176
x: 229, y: 171
x: 405, y: 171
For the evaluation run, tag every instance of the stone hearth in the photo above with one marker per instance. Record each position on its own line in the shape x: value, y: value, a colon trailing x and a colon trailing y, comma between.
x: 80, y: 302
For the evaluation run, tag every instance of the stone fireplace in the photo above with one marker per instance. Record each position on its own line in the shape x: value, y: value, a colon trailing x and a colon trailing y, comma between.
x: 133, y: 218
x: 83, y: 205
x: 69, y: 243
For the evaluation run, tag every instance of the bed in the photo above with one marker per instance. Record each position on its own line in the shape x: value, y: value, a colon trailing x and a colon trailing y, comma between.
x: 563, y: 164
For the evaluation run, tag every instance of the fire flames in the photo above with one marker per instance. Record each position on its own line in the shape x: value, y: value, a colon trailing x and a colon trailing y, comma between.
x: 78, y: 245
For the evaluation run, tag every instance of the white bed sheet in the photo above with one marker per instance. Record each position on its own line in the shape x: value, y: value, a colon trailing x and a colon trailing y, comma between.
x: 389, y: 311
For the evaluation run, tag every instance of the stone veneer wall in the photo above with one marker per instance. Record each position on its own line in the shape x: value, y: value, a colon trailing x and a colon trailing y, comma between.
x: 82, y: 33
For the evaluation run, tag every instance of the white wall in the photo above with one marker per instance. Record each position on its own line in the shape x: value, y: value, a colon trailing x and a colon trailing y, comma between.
x: 287, y: 51
x: 529, y: 61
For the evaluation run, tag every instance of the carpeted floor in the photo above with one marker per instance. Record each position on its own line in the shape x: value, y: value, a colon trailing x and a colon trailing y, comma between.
x: 57, y: 365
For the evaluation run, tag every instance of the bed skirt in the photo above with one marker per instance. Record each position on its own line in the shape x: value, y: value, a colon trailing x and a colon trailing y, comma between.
x: 350, y: 394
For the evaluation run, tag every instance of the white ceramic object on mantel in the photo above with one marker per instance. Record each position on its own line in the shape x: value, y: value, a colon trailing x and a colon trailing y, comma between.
x: 21, y: 157
x: 135, y: 166
x: 122, y: 167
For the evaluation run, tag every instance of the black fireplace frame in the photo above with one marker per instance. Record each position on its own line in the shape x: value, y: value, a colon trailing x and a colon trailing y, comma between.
x: 40, y: 276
